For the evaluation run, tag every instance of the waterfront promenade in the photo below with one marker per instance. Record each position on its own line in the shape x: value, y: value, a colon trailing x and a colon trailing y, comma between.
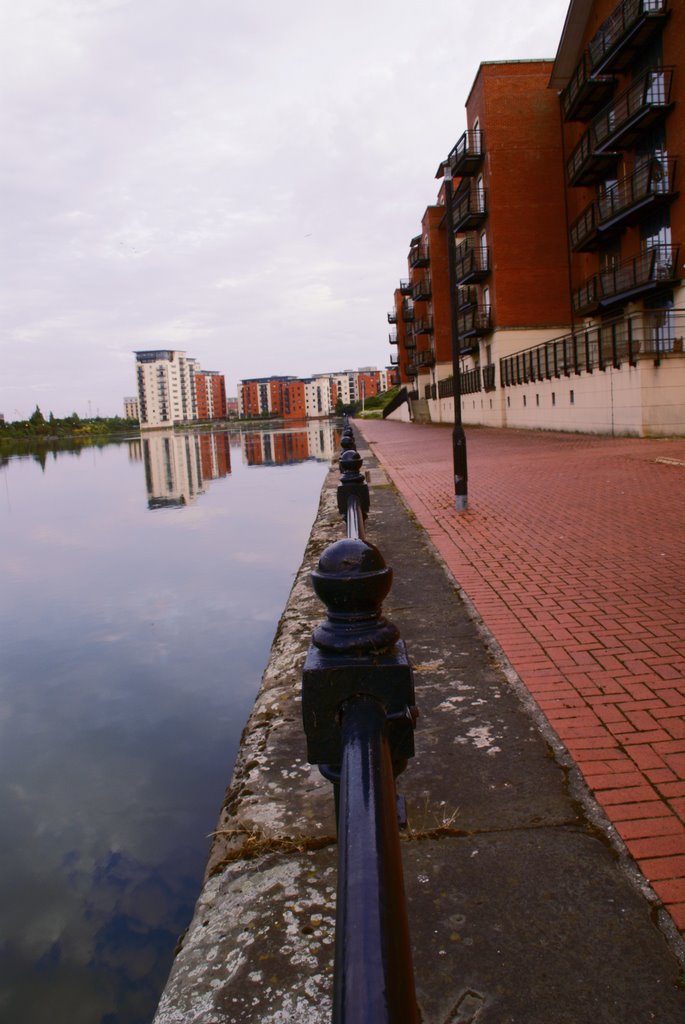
x: 573, y: 553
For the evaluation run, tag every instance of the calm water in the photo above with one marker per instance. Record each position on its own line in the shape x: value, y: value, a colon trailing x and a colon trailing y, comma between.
x: 142, y: 583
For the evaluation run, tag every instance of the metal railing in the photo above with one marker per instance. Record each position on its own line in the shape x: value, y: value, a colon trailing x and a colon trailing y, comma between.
x: 359, y: 714
x: 614, y: 343
x: 651, y: 270
x: 652, y: 183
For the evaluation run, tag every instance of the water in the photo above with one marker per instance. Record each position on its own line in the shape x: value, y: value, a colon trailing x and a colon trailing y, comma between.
x: 142, y: 584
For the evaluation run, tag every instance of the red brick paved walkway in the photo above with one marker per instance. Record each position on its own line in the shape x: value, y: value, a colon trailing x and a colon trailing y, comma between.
x: 573, y: 553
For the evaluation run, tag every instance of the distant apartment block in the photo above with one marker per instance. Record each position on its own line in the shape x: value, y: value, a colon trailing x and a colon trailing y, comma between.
x: 294, y: 398
x: 567, y: 227
x: 131, y: 408
x: 173, y: 389
x: 210, y: 393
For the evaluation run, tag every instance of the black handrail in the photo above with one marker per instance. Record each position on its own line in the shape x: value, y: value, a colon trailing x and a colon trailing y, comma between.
x: 359, y: 714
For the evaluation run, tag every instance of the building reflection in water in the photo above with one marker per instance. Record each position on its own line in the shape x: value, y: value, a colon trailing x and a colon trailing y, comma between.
x: 317, y: 440
x: 179, y: 465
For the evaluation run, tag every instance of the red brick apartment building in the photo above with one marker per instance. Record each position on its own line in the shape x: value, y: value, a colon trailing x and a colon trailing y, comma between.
x: 568, y: 221
x: 210, y: 395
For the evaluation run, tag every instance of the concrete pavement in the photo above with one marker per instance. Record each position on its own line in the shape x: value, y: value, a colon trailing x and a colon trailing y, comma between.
x: 573, y: 553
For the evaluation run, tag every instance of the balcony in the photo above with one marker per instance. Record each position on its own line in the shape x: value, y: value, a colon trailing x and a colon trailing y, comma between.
x: 467, y: 297
x: 620, y: 125
x: 489, y: 377
x: 410, y: 369
x: 392, y: 317
x: 392, y: 337
x: 625, y: 33
x: 472, y: 262
x: 407, y: 311
x: 423, y: 325
x: 425, y: 357
x: 405, y: 287
x: 475, y: 322
x: 468, y: 208
x: 419, y: 255
x: 644, y: 102
x: 654, y: 269
x: 651, y: 186
x: 393, y: 359
x: 586, y: 166
x: 467, y: 155
x: 421, y: 289
x: 585, y: 93
x: 410, y: 341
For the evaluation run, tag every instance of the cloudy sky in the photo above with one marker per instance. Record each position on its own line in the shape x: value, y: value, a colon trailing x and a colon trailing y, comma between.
x: 236, y: 178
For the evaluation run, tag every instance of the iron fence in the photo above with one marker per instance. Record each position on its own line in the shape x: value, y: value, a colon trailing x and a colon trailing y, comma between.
x: 359, y: 714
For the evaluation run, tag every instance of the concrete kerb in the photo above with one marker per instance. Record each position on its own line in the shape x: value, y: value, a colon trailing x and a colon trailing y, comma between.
x: 518, y: 910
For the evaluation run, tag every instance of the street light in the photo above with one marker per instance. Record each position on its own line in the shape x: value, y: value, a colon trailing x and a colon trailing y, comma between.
x: 461, y: 473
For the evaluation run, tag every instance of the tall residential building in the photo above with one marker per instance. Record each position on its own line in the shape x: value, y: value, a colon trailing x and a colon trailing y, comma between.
x: 210, y: 395
x: 568, y: 221
x: 511, y: 261
x: 619, y: 69
x: 166, y: 388
x: 173, y: 388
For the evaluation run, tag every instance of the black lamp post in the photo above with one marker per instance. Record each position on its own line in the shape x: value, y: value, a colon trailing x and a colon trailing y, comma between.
x: 461, y: 473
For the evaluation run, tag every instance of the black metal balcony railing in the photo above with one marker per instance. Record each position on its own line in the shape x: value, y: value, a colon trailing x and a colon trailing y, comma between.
x: 611, y: 344
x: 421, y: 288
x: 467, y: 296
x: 423, y: 325
x: 419, y: 255
x: 405, y: 286
x: 468, y: 208
x: 619, y: 125
x: 476, y: 321
x: 467, y: 154
x: 625, y: 33
x: 472, y: 262
x: 655, y: 268
x: 425, y: 357
x: 393, y: 359
x: 628, y: 200
x: 585, y: 92
x: 359, y: 713
x: 407, y: 311
x: 410, y: 369
x: 392, y: 316
x: 392, y: 337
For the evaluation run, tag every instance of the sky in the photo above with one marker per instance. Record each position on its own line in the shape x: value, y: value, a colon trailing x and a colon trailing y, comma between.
x: 239, y: 179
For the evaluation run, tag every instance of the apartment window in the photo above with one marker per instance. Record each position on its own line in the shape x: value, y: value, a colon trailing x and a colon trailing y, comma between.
x: 572, y: 397
x: 554, y: 398
x: 537, y: 399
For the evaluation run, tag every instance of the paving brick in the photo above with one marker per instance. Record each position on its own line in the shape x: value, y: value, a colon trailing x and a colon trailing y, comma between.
x: 664, y: 867
x: 658, y: 846
x: 567, y: 572
x: 643, y: 827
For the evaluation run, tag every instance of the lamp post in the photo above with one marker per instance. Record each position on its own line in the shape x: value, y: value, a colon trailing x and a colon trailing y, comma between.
x: 461, y: 473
